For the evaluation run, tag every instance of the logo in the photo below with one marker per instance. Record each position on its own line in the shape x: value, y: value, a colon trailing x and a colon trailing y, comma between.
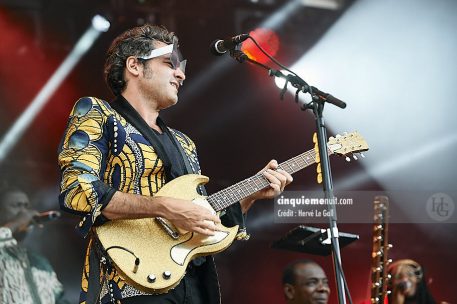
x: 440, y: 207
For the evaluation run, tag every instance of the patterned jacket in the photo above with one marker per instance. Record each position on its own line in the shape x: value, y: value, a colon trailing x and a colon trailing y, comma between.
x: 101, y: 152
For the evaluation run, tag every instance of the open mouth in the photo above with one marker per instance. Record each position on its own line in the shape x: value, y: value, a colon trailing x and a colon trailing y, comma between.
x: 175, y: 85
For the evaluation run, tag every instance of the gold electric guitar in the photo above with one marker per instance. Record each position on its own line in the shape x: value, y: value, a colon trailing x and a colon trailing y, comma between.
x: 152, y: 255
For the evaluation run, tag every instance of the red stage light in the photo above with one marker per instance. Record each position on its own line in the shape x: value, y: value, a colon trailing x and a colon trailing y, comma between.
x: 267, y: 39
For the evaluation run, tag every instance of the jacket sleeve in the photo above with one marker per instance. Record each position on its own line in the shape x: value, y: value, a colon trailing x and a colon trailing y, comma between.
x: 82, y: 157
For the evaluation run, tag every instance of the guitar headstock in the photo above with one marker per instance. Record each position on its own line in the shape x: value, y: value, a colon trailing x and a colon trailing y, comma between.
x: 347, y: 144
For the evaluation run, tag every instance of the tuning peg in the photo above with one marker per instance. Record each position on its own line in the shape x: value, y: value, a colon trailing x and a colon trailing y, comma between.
x: 348, y: 159
x: 354, y: 157
x: 363, y: 155
x: 389, y: 261
x: 390, y: 246
x: 389, y: 292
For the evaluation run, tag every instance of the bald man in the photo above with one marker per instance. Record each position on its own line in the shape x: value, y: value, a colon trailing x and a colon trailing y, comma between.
x: 305, y: 282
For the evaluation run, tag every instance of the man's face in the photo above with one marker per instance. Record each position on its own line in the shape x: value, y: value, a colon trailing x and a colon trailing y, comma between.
x: 311, y: 285
x: 160, y: 81
x: 12, y: 203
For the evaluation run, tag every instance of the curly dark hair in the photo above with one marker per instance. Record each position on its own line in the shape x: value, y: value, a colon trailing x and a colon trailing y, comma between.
x: 137, y: 41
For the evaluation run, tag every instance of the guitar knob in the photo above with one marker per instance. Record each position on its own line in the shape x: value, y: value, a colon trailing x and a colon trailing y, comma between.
x: 348, y: 159
x: 151, y: 278
x: 166, y: 275
x: 363, y: 155
x: 355, y: 157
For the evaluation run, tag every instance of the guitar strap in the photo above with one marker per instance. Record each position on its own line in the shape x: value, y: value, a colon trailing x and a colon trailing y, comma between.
x: 95, y: 286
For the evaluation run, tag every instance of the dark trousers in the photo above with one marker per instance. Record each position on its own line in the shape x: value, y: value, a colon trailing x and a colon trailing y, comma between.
x: 190, y: 290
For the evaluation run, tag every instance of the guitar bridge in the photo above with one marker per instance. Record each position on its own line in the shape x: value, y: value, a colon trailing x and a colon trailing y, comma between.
x: 169, y: 229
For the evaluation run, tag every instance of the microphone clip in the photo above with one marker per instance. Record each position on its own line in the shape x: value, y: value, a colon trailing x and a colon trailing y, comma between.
x: 238, y: 55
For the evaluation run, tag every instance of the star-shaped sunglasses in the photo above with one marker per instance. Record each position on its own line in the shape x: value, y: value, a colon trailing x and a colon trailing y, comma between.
x: 175, y: 56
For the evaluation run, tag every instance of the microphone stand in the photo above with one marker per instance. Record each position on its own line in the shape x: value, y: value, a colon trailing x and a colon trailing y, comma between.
x: 319, y: 99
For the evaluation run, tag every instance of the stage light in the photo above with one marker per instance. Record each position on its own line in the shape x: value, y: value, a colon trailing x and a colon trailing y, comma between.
x: 100, y: 23
x: 267, y: 39
x: 324, y: 4
x: 13, y: 135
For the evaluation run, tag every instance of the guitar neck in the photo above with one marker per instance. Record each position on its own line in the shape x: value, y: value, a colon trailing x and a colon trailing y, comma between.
x: 230, y: 195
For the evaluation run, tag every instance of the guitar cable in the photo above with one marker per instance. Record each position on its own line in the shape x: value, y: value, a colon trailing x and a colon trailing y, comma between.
x: 137, y: 259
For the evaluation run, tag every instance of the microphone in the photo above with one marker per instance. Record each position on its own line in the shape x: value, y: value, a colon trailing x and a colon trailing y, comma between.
x: 46, y: 216
x: 220, y: 47
x: 404, y: 285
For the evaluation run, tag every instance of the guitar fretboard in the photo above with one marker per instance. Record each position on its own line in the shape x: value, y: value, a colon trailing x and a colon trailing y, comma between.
x: 230, y: 195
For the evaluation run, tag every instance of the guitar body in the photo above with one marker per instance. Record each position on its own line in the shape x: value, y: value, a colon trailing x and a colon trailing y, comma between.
x: 163, y: 259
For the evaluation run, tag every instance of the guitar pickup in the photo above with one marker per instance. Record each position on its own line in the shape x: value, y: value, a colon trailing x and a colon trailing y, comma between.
x: 169, y: 229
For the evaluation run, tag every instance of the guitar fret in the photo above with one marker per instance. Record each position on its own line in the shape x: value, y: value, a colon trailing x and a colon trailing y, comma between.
x: 297, y: 163
x: 230, y: 195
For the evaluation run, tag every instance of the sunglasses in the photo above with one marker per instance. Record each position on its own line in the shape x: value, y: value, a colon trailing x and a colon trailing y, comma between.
x: 175, y: 56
